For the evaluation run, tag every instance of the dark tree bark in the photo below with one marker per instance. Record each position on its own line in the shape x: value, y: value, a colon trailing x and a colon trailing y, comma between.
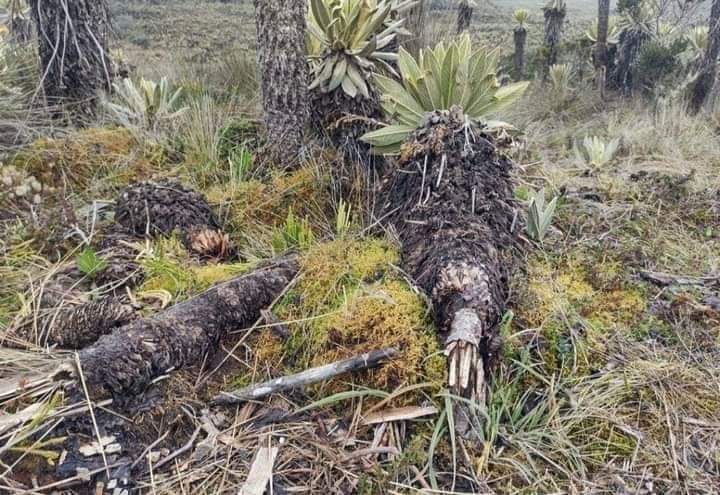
x: 125, y: 362
x: 415, y: 23
x: 160, y: 208
x: 464, y: 16
x: 519, y: 36
x: 554, y: 19
x: 631, y: 41
x: 344, y: 119
x: 283, y: 75
x: 601, y: 50
x: 705, y: 80
x: 451, y: 202
x: 73, y: 49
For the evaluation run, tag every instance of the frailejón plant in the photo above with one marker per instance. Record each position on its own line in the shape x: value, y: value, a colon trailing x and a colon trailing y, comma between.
x: 539, y: 216
x: 349, y: 39
x: 596, y: 153
x: 449, y: 75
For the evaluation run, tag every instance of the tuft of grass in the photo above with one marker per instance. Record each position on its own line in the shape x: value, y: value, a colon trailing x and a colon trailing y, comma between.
x: 293, y: 233
x: 201, y: 138
x: 253, y: 209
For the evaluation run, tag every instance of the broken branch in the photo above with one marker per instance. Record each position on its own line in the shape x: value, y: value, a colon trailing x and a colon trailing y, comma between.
x: 665, y: 279
x: 307, y: 377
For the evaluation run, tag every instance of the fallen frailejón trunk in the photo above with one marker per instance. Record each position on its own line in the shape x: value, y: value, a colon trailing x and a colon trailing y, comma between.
x: 451, y: 204
x: 127, y: 360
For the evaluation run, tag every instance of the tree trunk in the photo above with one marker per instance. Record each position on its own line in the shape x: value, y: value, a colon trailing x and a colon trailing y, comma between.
x: 554, y: 19
x: 451, y: 202
x: 284, y: 76
x: 415, y: 23
x: 464, y: 17
x: 344, y: 119
x: 125, y: 362
x: 519, y: 36
x: 73, y: 49
x: 705, y: 80
x: 601, y: 49
x: 631, y: 41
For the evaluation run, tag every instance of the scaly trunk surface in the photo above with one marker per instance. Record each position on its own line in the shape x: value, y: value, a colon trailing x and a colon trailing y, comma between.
x: 73, y: 48
x: 601, y: 49
x: 451, y: 203
x: 519, y: 36
x: 464, y: 17
x: 705, y: 80
x: 344, y: 119
x: 631, y: 41
x: 283, y: 75
x: 554, y: 19
x: 125, y: 362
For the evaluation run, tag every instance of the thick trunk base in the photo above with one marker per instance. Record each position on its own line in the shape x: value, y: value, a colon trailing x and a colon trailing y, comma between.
x: 73, y: 49
x: 554, y: 20
x: 344, y: 120
x: 283, y: 71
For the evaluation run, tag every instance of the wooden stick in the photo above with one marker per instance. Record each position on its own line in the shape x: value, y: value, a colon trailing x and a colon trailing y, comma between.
x: 307, y: 377
x: 664, y: 279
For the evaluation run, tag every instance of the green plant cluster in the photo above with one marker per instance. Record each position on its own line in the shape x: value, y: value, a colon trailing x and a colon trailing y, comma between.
x: 441, y: 78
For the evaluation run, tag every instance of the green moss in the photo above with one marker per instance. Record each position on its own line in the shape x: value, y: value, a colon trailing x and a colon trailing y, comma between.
x: 576, y: 307
x: 209, y: 275
x: 331, y: 269
x: 167, y: 275
x: 347, y: 301
x: 522, y: 193
x: 616, y: 308
x: 553, y: 290
x: 385, y: 314
x: 168, y: 267
x: 80, y: 156
x: 267, y: 202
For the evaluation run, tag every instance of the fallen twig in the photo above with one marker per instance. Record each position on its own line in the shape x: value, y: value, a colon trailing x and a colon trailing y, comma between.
x: 188, y: 445
x: 307, y: 377
x: 399, y: 414
x: 665, y: 279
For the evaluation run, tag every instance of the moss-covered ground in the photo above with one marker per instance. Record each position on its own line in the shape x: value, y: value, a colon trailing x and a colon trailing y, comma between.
x: 606, y: 382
